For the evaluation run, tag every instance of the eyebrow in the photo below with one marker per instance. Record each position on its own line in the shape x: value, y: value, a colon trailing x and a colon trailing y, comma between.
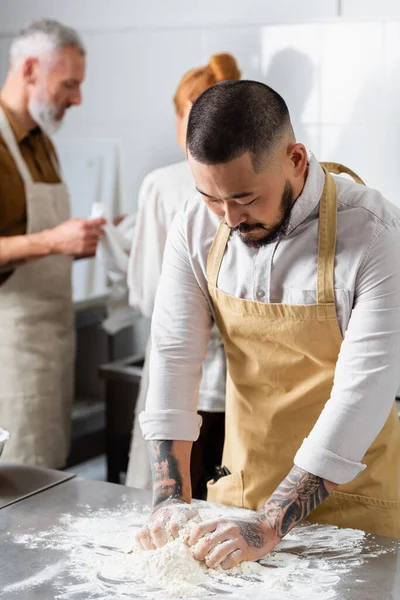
x: 231, y: 197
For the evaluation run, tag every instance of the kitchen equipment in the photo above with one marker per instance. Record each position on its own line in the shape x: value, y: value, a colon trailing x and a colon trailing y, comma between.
x: 122, y: 379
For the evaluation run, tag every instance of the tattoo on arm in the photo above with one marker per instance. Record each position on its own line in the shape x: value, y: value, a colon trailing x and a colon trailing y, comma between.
x: 167, y: 479
x: 294, y: 499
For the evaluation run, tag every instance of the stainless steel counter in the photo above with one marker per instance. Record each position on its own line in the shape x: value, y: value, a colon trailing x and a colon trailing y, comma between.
x: 376, y: 579
x: 18, y: 482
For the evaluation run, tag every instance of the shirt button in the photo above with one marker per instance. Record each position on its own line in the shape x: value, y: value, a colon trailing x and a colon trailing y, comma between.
x: 260, y: 294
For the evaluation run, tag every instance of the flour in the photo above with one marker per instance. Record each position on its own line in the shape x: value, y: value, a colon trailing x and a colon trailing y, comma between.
x: 100, y: 561
x: 47, y: 574
x: 171, y: 568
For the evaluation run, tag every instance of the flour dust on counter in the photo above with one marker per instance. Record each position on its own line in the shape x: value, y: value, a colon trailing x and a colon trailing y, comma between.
x: 100, y: 560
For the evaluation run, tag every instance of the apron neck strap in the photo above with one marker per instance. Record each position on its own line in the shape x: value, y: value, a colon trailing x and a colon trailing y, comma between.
x: 327, y: 232
x: 327, y: 242
x: 216, y: 253
x: 326, y: 238
x: 12, y: 145
x: 338, y: 169
x: 326, y: 245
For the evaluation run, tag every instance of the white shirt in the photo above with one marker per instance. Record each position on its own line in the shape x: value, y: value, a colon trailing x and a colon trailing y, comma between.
x: 162, y: 194
x: 367, y: 288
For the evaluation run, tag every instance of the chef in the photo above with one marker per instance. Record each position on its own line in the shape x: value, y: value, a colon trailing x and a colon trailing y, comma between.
x: 38, y: 242
x: 299, y: 269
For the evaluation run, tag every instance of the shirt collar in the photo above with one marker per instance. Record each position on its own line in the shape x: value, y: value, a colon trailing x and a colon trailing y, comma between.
x: 310, y: 196
x: 19, y: 131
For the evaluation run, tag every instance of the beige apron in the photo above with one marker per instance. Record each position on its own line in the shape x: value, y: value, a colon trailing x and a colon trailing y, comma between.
x: 37, y: 341
x: 281, y: 365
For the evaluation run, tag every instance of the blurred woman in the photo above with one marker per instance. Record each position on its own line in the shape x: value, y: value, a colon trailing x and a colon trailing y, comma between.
x: 162, y: 194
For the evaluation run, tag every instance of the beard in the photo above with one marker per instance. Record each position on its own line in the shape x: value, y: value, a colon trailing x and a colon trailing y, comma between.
x: 274, y: 232
x: 45, y: 115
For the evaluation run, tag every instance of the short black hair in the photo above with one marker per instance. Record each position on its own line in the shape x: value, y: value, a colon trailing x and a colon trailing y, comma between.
x: 234, y: 117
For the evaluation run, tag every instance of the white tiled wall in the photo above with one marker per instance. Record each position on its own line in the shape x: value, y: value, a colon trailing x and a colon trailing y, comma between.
x: 122, y: 14
x: 370, y: 9
x: 291, y: 56
x: 341, y: 79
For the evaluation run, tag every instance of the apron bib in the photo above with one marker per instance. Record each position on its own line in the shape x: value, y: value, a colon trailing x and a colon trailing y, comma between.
x: 37, y: 339
x: 281, y: 364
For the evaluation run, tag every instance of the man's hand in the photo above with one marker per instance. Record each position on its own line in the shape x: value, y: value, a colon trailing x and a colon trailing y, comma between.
x: 117, y: 220
x: 170, y: 467
x: 76, y: 237
x: 228, y: 542
x: 165, y: 522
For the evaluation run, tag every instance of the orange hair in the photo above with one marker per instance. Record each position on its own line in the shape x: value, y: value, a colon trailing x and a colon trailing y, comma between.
x: 221, y: 67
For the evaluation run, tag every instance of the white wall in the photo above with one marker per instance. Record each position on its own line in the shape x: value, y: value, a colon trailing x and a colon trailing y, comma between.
x: 339, y: 77
x: 370, y: 9
x: 123, y: 14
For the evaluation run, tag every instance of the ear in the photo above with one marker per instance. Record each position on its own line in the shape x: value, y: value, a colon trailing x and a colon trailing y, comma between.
x: 29, y: 70
x: 297, y: 153
x: 188, y: 107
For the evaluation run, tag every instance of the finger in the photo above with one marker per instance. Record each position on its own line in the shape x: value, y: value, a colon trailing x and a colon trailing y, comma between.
x: 198, y: 531
x: 92, y: 231
x: 195, y: 518
x: 146, y: 539
x: 96, y: 222
x: 180, y: 518
x: 119, y: 220
x: 207, y: 543
x: 89, y: 249
x: 233, y: 560
x: 138, y: 541
x: 177, y: 521
x: 220, y: 553
x: 158, y: 533
x: 92, y: 237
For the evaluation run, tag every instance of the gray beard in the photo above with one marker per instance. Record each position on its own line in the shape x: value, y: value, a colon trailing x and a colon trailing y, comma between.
x: 44, y: 116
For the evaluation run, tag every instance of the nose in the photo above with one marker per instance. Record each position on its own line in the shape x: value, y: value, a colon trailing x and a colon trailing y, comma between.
x: 234, y: 215
x: 77, y: 97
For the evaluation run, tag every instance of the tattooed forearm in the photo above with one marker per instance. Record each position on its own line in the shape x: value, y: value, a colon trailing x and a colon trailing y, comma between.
x: 167, y: 478
x: 295, y: 498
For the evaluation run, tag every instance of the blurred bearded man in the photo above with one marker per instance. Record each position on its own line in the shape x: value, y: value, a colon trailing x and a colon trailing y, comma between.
x: 38, y: 242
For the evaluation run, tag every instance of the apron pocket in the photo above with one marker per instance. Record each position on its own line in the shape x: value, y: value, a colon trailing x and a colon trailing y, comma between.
x: 226, y: 490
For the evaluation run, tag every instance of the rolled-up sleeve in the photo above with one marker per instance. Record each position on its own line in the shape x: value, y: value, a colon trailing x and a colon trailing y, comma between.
x: 367, y: 373
x: 170, y: 424
x: 180, y: 332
